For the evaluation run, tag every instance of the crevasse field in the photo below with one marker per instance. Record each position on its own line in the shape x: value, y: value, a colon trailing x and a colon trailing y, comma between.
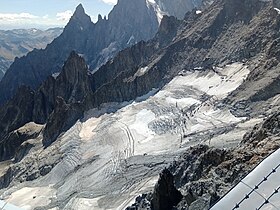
x: 116, y: 152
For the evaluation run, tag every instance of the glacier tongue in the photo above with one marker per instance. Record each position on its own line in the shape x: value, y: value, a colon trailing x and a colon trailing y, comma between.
x: 116, y: 152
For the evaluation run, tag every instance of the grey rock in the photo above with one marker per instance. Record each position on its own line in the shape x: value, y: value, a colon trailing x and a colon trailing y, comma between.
x: 270, y: 127
x: 12, y: 141
x: 202, y: 203
x: 10, y: 145
x: 71, y: 86
x: 142, y: 202
x: 61, y: 119
x: 22, y: 151
x: 6, y: 179
x: 165, y: 195
x: 17, y: 112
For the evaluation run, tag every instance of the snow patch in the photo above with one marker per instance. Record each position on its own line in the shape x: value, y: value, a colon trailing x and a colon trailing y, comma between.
x: 277, y: 10
x: 55, y: 75
x: 141, y: 71
x: 28, y: 197
x: 129, y: 42
x: 8, y: 206
x: 156, y: 7
x: 220, y: 82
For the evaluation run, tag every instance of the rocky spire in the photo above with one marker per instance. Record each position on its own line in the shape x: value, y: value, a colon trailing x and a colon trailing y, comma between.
x: 80, y: 17
x: 79, y: 10
x: 73, y: 83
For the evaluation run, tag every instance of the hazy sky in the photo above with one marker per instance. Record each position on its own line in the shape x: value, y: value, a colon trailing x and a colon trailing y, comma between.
x: 47, y: 13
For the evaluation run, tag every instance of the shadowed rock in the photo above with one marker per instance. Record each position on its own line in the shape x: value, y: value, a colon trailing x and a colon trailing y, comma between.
x: 13, y: 140
x: 165, y: 194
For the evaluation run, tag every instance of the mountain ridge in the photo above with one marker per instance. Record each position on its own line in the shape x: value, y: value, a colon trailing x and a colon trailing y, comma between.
x: 119, y: 78
x: 201, y: 69
x: 86, y: 38
x: 18, y: 42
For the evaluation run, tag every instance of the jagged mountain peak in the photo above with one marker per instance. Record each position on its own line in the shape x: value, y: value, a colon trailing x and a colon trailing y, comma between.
x: 129, y: 22
x: 128, y: 6
x: 75, y: 63
x: 195, y: 52
x: 80, y: 17
x: 79, y: 10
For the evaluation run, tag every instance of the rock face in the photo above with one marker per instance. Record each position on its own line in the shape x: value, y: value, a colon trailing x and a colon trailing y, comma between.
x: 270, y: 127
x: 11, y: 142
x: 71, y: 86
x: 61, y: 119
x: 18, y: 42
x: 165, y: 194
x: 129, y: 22
x: 17, y: 112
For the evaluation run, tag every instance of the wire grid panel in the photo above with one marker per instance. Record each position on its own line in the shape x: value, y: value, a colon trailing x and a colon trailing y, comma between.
x: 260, y: 190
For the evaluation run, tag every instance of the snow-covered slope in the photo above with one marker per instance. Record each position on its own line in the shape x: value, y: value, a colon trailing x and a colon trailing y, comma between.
x: 116, y: 152
x: 7, y: 206
x: 176, y: 8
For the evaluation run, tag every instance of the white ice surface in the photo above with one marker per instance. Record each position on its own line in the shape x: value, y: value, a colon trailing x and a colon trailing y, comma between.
x: 8, y: 206
x: 28, y: 197
x: 116, y: 152
x: 264, y: 192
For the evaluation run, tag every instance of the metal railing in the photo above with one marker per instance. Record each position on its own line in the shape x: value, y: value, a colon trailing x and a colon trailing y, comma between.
x: 256, y: 187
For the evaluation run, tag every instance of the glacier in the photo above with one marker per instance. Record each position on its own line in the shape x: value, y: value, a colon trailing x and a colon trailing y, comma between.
x: 117, y: 150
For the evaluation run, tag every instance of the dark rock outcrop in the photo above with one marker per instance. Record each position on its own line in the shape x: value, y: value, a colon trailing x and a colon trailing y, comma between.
x: 22, y: 151
x: 142, y: 202
x: 6, y: 179
x: 17, y: 111
x: 72, y: 84
x: 46, y: 105
x: 61, y: 119
x: 13, y: 140
x: 270, y: 127
x: 165, y: 195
